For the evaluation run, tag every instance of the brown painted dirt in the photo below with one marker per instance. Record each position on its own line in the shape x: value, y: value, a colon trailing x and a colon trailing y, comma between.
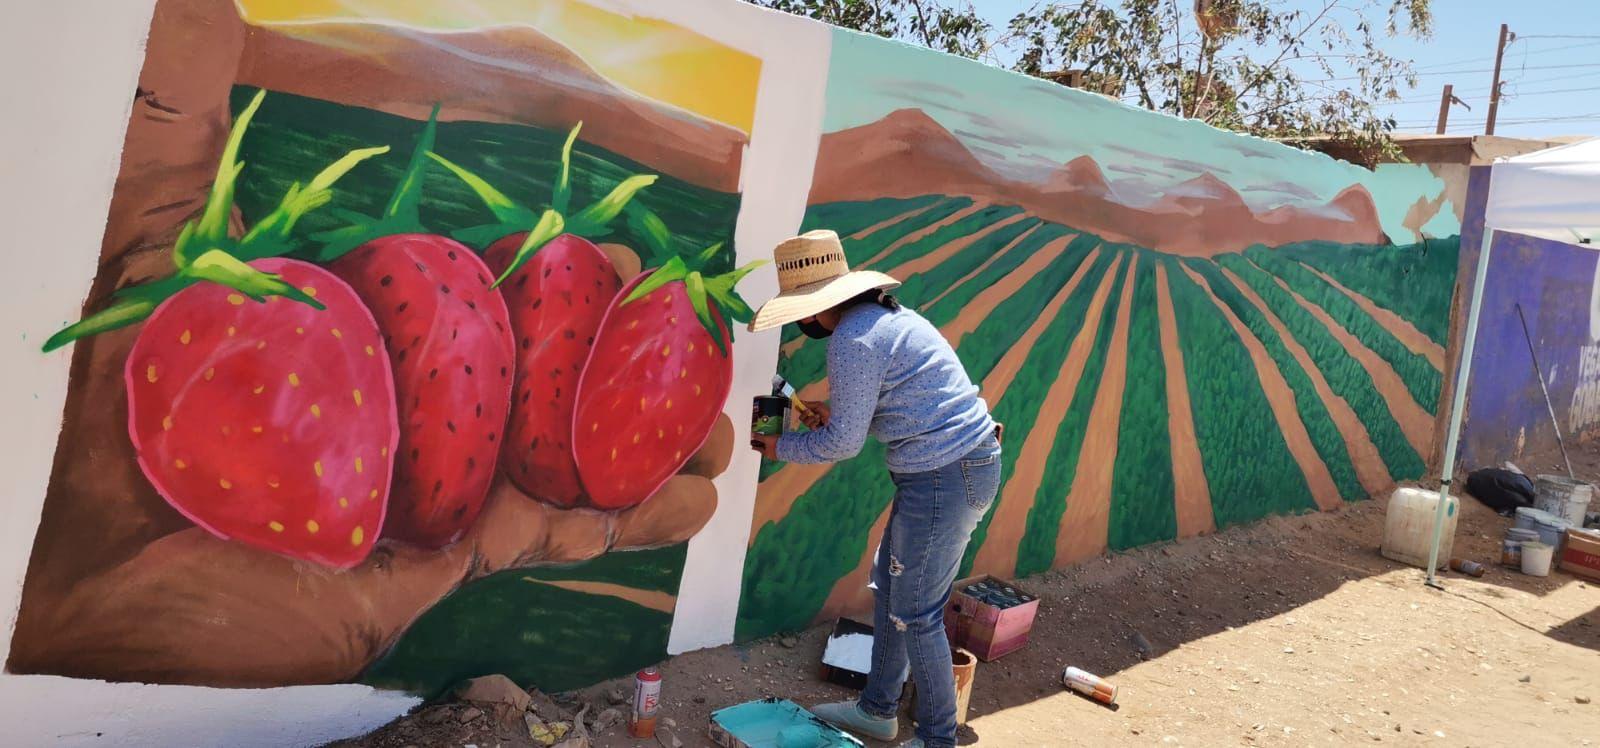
x: 985, y: 266
x: 1414, y: 422
x: 1288, y: 632
x: 1085, y: 523
x: 652, y: 599
x: 1191, y: 491
x: 998, y: 554
x: 1284, y: 410
x: 1404, y: 331
x: 1370, y: 469
x: 887, y: 222
x: 949, y: 249
x: 981, y: 306
x: 777, y: 494
x: 919, y: 234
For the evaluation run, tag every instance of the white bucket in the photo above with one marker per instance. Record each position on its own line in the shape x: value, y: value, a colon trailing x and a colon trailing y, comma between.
x: 1528, y: 517
x: 1536, y: 559
x: 1563, y: 497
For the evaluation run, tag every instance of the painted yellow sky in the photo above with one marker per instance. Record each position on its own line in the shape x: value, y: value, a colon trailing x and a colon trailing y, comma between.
x: 650, y: 57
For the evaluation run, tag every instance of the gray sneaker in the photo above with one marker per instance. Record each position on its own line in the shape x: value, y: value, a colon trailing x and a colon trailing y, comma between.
x: 847, y: 715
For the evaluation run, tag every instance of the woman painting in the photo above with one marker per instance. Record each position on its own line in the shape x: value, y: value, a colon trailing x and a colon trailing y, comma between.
x: 892, y: 376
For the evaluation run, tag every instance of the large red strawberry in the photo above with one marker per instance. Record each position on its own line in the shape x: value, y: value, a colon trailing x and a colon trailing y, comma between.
x: 449, y: 340
x: 556, y: 300
x: 557, y: 286
x: 272, y: 423
x: 655, y: 382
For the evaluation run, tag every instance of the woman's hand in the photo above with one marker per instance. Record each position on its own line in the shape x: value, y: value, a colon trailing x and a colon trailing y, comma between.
x: 815, y: 415
x: 766, y: 444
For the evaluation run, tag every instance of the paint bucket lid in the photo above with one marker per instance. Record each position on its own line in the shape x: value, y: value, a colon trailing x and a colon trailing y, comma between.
x: 1518, y: 533
x: 1555, y: 523
x: 1532, y: 513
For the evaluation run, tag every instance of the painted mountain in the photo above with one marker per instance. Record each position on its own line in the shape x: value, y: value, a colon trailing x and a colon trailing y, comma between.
x: 1200, y: 217
x: 510, y: 74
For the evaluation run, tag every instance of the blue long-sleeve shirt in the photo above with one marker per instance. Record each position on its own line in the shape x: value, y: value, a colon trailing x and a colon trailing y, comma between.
x: 891, y: 375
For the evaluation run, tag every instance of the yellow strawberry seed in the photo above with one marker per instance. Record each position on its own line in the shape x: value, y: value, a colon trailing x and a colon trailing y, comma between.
x: 275, y: 526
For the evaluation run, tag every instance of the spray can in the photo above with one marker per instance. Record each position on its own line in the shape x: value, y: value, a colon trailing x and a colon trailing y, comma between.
x: 1470, y: 568
x: 646, y: 699
x: 1090, y: 685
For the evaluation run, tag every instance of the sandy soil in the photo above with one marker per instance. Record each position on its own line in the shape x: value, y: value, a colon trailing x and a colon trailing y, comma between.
x: 1293, y: 631
x: 1281, y: 398
x: 1364, y: 456
x: 1191, y: 492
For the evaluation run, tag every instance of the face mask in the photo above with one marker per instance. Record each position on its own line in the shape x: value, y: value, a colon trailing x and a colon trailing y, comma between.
x: 814, y: 329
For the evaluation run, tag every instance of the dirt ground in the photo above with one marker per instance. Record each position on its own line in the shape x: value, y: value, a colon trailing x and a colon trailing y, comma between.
x: 1292, y: 631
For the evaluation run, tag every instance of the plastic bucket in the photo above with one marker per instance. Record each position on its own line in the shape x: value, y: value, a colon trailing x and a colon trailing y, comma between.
x: 1553, y: 531
x: 1563, y: 497
x: 965, y: 665
x: 1511, y: 546
x: 1536, y: 558
x: 1528, y: 517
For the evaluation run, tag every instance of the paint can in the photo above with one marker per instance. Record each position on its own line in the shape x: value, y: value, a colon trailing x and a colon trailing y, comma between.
x: 1511, y: 546
x: 1536, y: 558
x: 769, y: 416
x: 646, y: 700
x: 1090, y: 685
x: 1563, y: 497
x: 1469, y: 568
x: 964, y: 665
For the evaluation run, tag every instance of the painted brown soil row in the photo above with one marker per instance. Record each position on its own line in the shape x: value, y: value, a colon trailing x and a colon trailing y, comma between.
x: 1087, y: 520
x: 1191, y: 494
x: 1364, y: 456
x: 777, y: 494
x: 939, y: 256
x: 1398, y: 326
x: 886, y: 223
x: 998, y: 555
x: 978, y: 309
x: 924, y: 231
x: 652, y: 599
x: 849, y: 594
x: 985, y: 266
x: 793, y: 346
x: 1282, y: 401
x: 1414, y: 422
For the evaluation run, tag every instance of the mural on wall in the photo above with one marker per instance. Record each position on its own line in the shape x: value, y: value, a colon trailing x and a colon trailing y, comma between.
x: 1182, y: 329
x: 1506, y: 416
x: 386, y: 299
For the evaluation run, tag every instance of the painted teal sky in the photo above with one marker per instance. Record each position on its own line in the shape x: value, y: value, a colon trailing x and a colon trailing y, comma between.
x: 1025, y: 128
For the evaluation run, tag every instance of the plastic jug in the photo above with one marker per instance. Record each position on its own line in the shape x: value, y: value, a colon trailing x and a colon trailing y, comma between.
x: 1408, y: 526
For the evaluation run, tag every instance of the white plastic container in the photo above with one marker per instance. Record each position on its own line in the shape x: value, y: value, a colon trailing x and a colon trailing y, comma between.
x: 1408, y: 527
x: 1528, y: 517
x: 1536, y: 558
x: 1563, y: 497
x: 1553, y: 531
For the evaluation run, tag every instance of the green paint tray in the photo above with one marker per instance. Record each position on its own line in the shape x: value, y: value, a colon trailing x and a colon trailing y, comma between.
x: 775, y: 723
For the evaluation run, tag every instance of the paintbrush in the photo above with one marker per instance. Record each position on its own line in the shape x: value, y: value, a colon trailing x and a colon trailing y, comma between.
x: 782, y: 386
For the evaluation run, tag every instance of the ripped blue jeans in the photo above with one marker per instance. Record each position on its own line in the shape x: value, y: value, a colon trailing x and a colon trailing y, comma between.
x: 933, y: 516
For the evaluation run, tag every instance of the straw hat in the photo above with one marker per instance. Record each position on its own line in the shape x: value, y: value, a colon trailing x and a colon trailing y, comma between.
x: 813, y: 276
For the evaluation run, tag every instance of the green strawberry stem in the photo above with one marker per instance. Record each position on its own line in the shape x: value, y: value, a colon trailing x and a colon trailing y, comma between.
x: 205, y: 252
x: 402, y: 215
x: 703, y: 292
x: 590, y: 222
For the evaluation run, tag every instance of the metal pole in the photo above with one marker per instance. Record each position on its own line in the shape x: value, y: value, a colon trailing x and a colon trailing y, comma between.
x: 1444, y: 108
x: 1555, y: 424
x: 1458, y: 404
x: 1494, y: 93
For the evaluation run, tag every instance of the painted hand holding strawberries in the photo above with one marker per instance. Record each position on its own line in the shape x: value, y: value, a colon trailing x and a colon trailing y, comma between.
x: 353, y: 427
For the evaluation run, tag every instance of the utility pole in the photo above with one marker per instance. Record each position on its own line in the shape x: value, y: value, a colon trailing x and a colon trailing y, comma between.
x: 1444, y: 108
x: 1494, y: 93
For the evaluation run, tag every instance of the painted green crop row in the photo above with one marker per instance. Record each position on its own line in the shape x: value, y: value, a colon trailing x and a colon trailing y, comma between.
x: 1415, y: 281
x: 1313, y: 413
x: 922, y: 287
x: 859, y: 251
x: 982, y: 350
x: 967, y: 226
x: 1037, y: 550
x: 1421, y: 379
x: 851, y: 217
x: 1248, y: 466
x: 949, y: 307
x: 1142, y: 489
x: 1018, y: 407
x: 1344, y: 374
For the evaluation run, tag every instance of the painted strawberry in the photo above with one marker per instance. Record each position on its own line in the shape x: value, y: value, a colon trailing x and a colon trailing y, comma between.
x: 655, y: 382
x: 557, y: 285
x: 271, y: 423
x: 449, y: 341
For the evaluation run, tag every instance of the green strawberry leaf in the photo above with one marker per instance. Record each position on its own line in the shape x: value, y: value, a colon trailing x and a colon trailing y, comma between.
x: 405, y: 204
x: 487, y: 234
x: 220, y: 267
x: 673, y: 270
x: 563, y: 189
x: 503, y: 208
x: 605, y: 210
x: 695, y: 284
x: 271, y: 234
x: 652, y: 230
x: 549, y: 227
x: 213, y: 226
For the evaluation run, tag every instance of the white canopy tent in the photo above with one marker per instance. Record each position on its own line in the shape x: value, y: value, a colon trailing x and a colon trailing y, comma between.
x: 1551, y: 194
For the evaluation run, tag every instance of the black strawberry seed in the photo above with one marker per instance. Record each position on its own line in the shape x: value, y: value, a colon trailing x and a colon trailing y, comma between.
x: 478, y: 413
x: 401, y: 356
x: 460, y: 510
x: 402, y: 308
x: 433, y: 373
x: 568, y: 334
x: 502, y: 371
x: 526, y: 344
x: 385, y: 280
x: 450, y: 425
x: 468, y: 367
x: 472, y: 463
x: 473, y: 305
x: 499, y: 327
x: 414, y: 454
x: 547, y: 272
x: 534, y: 444
x: 453, y: 332
x: 416, y: 401
x: 485, y: 281
x: 416, y: 340
x: 522, y: 280
x: 590, y: 341
x: 444, y: 289
x: 537, y: 302
x: 451, y: 254
x: 421, y: 268
x: 558, y: 393
x: 491, y: 436
x: 526, y: 394
x: 438, y: 486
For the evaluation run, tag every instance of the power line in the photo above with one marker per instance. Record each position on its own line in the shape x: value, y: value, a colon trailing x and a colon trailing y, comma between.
x: 1482, y: 70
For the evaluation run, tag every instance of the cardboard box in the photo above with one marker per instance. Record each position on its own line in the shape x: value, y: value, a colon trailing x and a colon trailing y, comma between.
x: 985, y: 629
x: 1582, y: 554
